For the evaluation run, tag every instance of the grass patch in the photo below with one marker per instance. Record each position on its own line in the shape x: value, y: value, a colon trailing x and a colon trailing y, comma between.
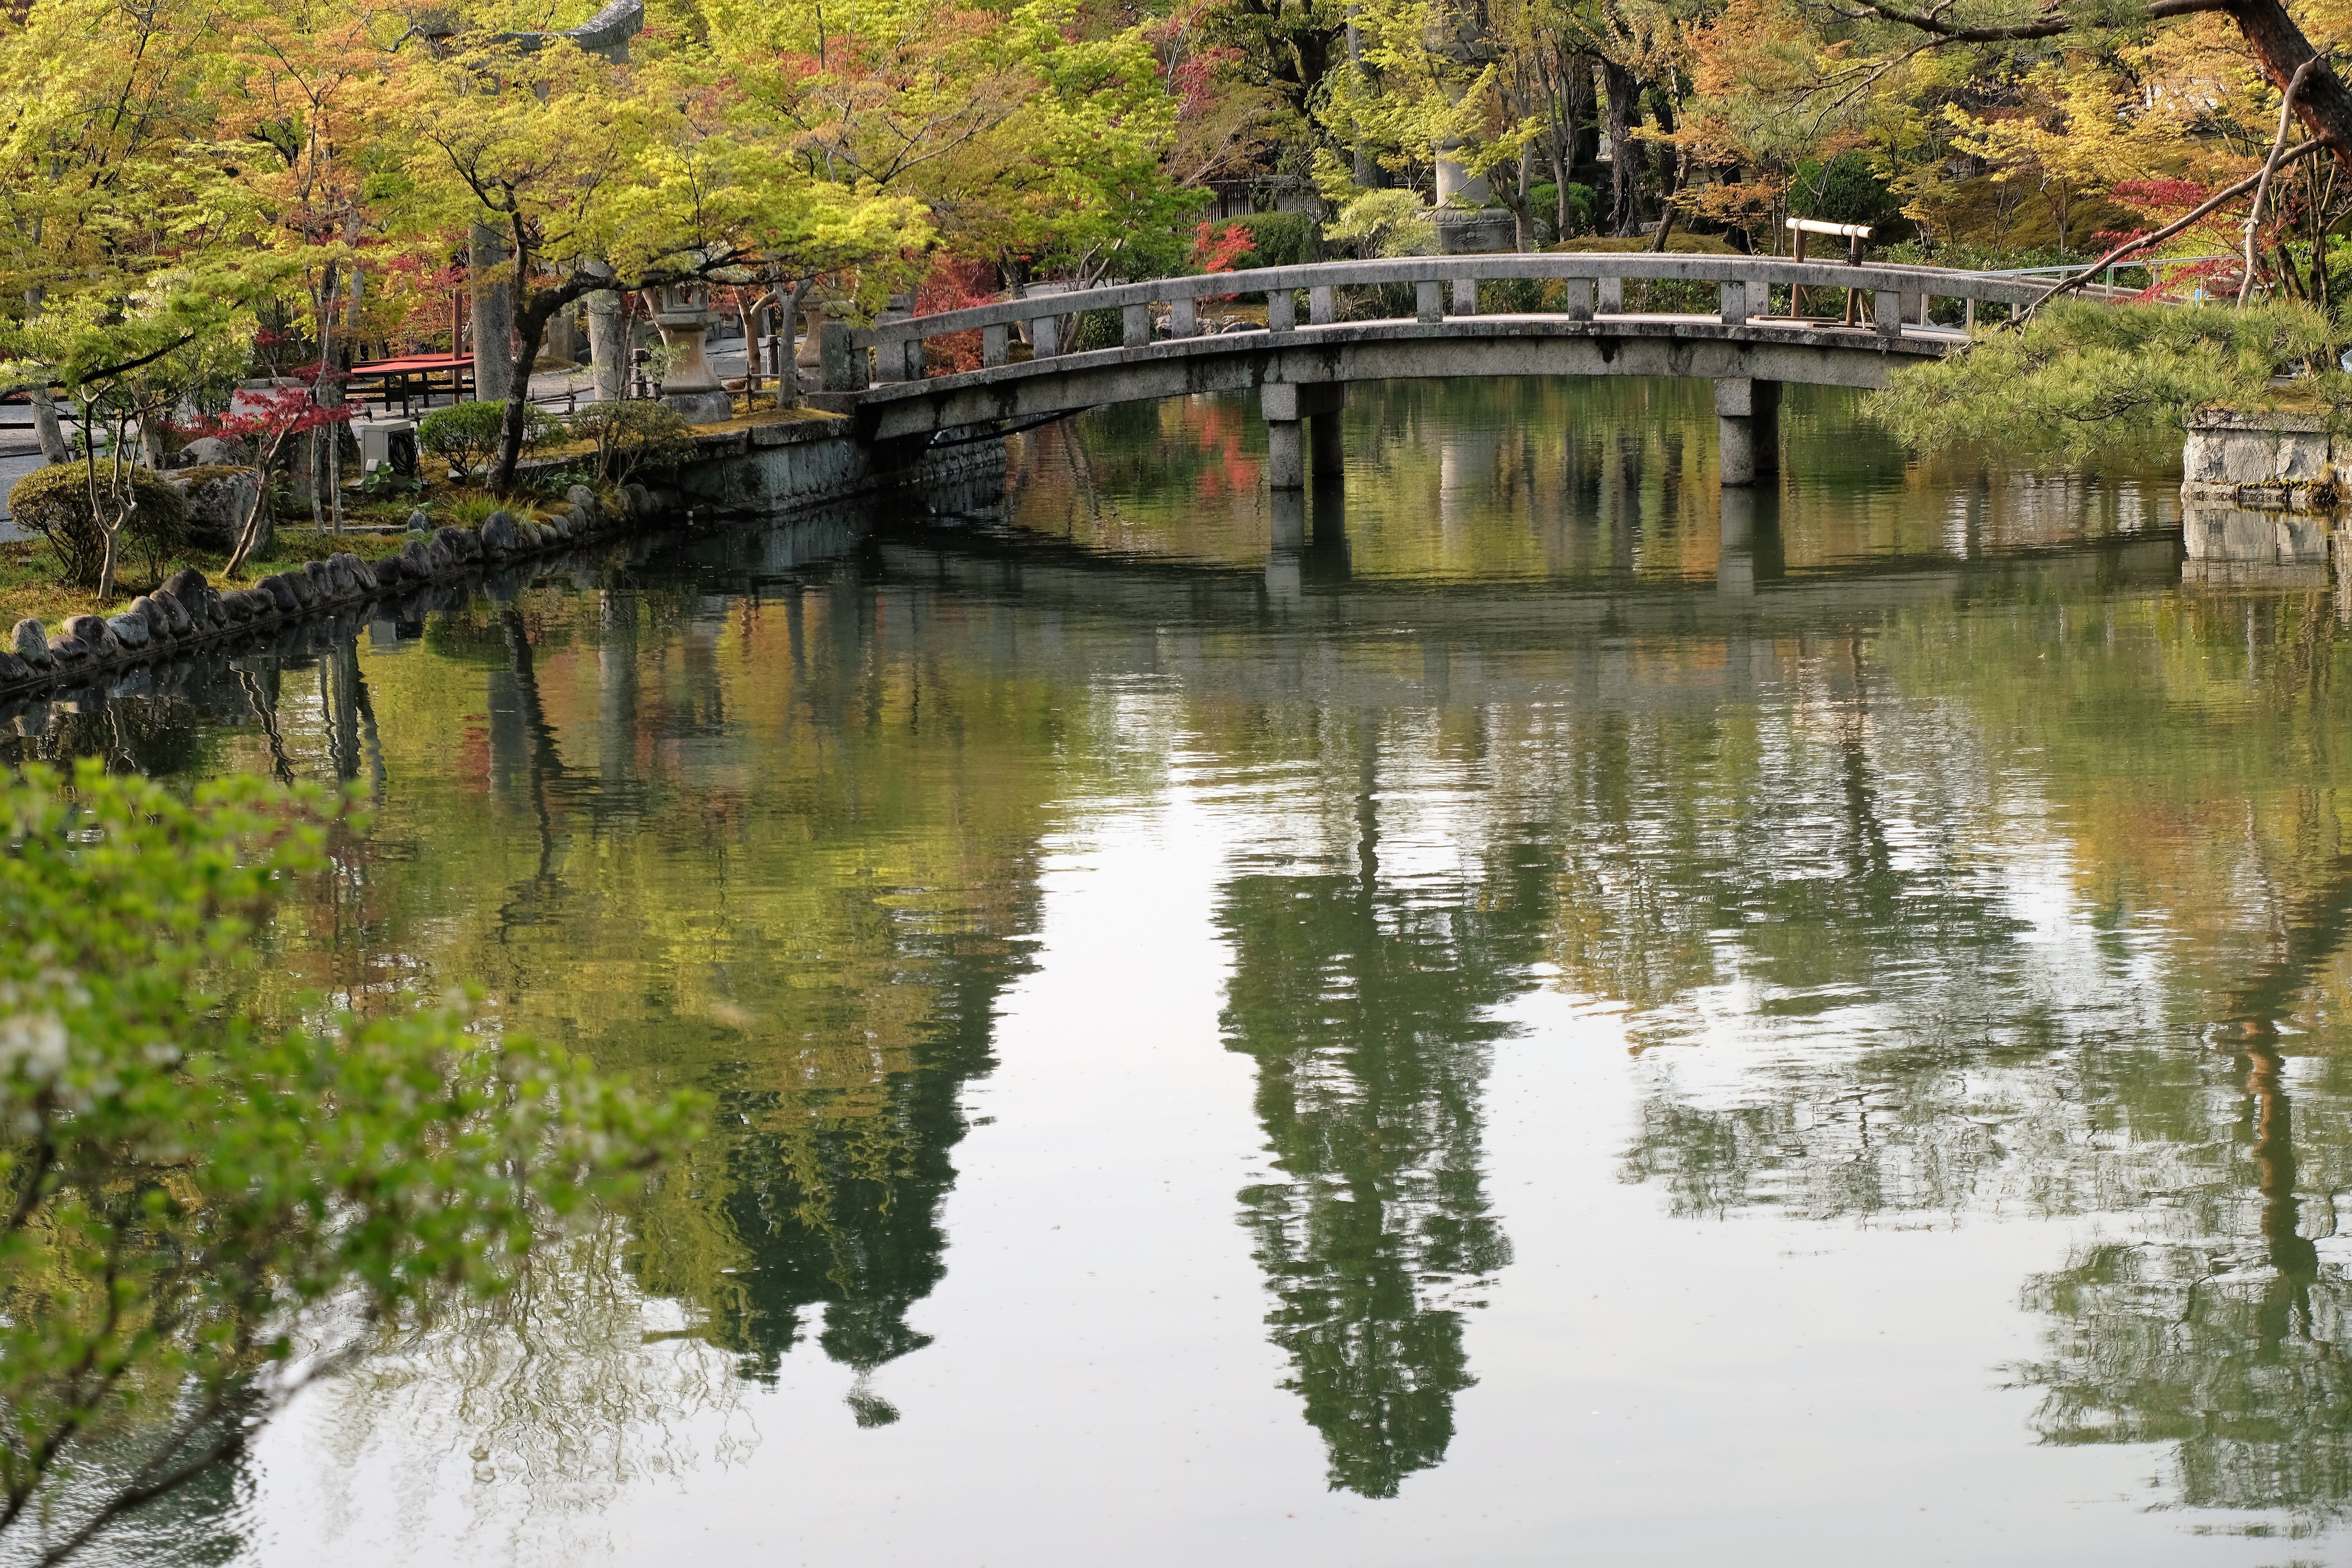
x: 28, y: 568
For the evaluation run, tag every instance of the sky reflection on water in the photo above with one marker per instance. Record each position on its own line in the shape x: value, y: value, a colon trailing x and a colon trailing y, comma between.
x: 1537, y: 1018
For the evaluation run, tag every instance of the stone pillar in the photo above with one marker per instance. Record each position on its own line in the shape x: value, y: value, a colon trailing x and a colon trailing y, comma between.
x: 837, y: 358
x: 1748, y: 429
x: 1286, y: 544
x: 1735, y: 567
x: 1285, y: 405
x: 1328, y: 446
x: 1454, y: 181
x: 608, y: 345
x: 1286, y: 461
x: 493, y: 308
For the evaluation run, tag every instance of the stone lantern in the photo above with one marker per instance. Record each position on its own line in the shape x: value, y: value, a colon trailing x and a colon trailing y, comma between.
x: 690, y: 387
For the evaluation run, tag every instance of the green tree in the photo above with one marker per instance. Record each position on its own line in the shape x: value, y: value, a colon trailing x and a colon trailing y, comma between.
x: 2079, y: 378
x: 207, y: 1209
x: 599, y: 177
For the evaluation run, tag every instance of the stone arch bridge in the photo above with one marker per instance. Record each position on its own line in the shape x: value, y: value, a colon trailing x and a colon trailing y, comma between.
x: 1300, y: 369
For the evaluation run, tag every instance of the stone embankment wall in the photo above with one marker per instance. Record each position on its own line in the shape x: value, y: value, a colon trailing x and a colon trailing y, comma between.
x: 768, y: 471
x: 2264, y: 459
x: 767, y: 468
x: 2262, y: 494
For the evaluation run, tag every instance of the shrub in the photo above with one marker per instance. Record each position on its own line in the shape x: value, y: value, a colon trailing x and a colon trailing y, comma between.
x: 2080, y: 380
x: 1543, y: 204
x: 54, y: 502
x: 1843, y: 189
x: 1385, y: 223
x: 1277, y: 239
x: 632, y: 435
x: 465, y: 435
x: 1098, y: 330
x: 200, y: 1190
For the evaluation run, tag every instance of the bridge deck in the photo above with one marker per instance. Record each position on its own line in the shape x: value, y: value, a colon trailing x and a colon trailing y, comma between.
x: 1656, y: 345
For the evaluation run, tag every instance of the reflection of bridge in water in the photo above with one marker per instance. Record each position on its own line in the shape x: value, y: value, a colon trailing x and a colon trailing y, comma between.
x: 1308, y: 599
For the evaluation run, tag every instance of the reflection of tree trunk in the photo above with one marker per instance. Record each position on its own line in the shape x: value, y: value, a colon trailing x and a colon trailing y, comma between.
x: 2275, y: 1164
x: 545, y: 765
x: 265, y: 708
x: 339, y: 677
x: 616, y: 690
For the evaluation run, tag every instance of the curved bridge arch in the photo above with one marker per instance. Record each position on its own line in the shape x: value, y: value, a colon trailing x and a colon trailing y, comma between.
x: 1301, y: 369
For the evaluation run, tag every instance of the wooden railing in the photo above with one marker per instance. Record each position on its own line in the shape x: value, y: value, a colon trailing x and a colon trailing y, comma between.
x: 1443, y: 285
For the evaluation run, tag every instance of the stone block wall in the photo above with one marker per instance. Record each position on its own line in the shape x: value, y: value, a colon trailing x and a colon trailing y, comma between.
x: 2271, y: 460
x: 769, y: 470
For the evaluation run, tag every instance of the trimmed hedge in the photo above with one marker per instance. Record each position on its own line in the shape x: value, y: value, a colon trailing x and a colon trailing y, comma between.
x: 54, y: 502
x: 465, y: 435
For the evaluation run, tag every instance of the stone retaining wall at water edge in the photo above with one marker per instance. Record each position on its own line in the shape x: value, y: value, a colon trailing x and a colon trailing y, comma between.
x: 767, y: 468
x: 2266, y: 459
x: 2262, y: 494
x: 764, y: 471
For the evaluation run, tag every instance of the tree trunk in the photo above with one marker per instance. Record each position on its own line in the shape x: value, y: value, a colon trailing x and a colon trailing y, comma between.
x: 52, y: 434
x: 788, y: 369
x: 531, y: 329
x: 494, y: 316
x: 2325, y: 106
x: 334, y: 360
x: 1369, y: 174
x: 1627, y: 162
x: 1523, y: 221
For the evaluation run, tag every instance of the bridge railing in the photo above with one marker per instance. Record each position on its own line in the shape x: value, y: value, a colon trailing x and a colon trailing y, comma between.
x: 1443, y: 285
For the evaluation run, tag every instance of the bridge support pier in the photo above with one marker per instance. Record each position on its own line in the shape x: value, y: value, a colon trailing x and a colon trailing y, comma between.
x: 1286, y: 546
x: 1748, y: 429
x: 1287, y: 406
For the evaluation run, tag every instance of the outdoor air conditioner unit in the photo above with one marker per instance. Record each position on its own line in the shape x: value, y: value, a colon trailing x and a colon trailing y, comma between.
x: 390, y: 442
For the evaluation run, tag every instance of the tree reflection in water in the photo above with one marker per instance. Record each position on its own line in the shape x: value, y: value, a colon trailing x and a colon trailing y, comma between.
x: 2228, y: 1343
x: 1366, y: 1008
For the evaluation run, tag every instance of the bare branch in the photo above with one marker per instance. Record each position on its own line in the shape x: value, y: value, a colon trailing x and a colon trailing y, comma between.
x: 2220, y: 199
x: 2270, y: 166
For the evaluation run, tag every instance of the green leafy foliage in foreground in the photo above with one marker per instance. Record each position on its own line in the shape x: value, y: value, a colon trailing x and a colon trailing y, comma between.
x: 2080, y: 378
x: 205, y: 1211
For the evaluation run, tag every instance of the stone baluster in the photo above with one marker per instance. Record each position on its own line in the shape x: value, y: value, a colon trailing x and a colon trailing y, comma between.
x: 1281, y: 310
x: 1578, y: 303
x: 1429, y: 301
x: 1886, y: 307
x: 1322, y: 307
x: 1135, y: 326
x: 1465, y: 297
x: 1733, y: 294
x: 1183, y: 318
x: 1612, y: 297
x: 995, y: 346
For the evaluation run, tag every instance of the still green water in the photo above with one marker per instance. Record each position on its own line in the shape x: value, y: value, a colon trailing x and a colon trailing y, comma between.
x: 1537, y: 1022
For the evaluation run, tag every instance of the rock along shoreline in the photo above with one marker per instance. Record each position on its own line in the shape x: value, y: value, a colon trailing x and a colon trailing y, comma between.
x: 187, y: 612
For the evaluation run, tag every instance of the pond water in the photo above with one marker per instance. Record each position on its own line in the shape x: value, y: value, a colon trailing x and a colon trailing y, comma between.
x: 1541, y: 1019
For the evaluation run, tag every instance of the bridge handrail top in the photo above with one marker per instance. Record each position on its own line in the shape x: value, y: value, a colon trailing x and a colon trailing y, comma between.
x: 1685, y: 267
